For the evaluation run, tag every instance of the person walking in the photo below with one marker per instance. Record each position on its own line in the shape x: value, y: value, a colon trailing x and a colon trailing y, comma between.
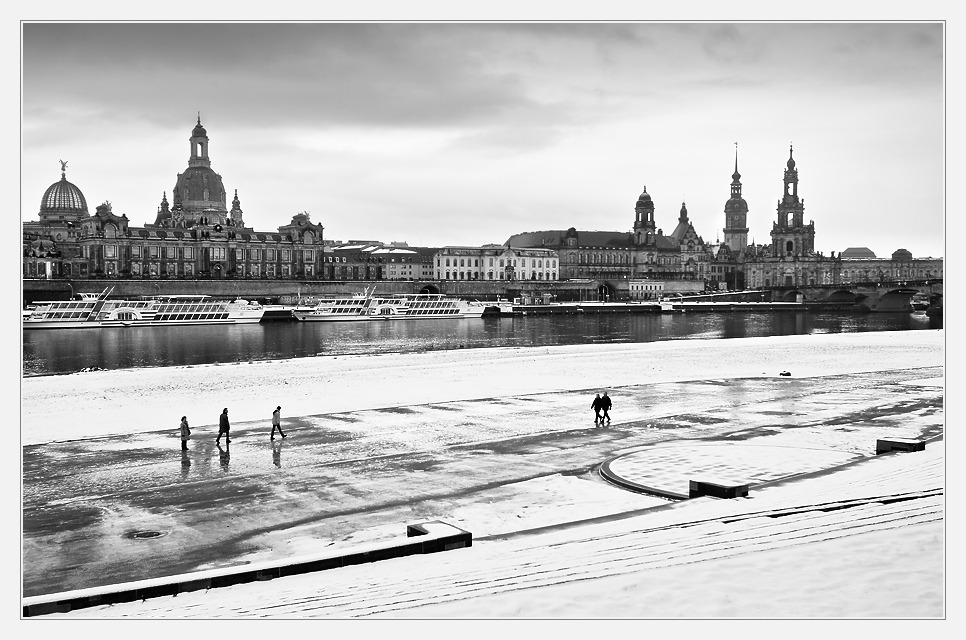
x: 223, y: 427
x: 605, y: 405
x: 185, y: 433
x: 277, y: 422
x: 597, y: 404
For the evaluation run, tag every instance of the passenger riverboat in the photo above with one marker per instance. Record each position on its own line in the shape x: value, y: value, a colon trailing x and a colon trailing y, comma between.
x: 343, y: 308
x: 99, y: 311
x: 390, y: 307
x: 424, y: 305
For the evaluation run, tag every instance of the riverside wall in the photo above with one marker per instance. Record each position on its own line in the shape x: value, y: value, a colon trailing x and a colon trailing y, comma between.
x: 286, y: 291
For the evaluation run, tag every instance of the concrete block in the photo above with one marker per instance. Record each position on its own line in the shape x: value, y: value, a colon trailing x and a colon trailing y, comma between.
x: 698, y: 488
x: 898, y: 444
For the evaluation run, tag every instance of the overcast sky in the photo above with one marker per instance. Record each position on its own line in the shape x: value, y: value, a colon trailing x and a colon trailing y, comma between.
x: 463, y: 134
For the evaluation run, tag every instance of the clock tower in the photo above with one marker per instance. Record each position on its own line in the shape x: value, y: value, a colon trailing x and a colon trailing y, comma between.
x: 736, y: 214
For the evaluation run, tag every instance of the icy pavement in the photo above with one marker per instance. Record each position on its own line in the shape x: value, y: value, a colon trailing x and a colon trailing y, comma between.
x: 880, y: 494
x: 508, y: 452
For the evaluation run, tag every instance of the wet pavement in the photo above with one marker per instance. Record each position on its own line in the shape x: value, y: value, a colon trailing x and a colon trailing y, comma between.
x: 110, y: 510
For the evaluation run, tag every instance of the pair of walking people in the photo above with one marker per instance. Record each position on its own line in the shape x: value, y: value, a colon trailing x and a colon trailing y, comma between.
x: 224, y: 427
x: 601, y: 406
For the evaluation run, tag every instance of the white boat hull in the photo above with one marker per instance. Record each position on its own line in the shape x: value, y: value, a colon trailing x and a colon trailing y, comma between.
x: 395, y: 307
x: 100, y: 313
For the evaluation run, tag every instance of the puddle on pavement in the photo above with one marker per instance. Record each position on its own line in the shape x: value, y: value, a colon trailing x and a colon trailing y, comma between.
x: 146, y: 534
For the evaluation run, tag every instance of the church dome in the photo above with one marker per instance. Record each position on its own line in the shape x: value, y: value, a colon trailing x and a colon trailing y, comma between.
x: 902, y: 255
x: 200, y: 188
x: 199, y: 131
x: 63, y: 199
x: 644, y: 199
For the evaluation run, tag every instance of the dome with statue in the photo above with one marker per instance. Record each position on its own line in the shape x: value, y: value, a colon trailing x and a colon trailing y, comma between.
x: 63, y: 200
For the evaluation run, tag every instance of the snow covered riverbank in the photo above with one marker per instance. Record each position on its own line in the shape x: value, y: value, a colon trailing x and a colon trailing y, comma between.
x: 99, y: 403
x: 827, y: 566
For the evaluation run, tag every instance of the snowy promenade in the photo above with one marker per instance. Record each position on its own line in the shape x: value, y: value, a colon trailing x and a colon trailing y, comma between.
x: 850, y: 534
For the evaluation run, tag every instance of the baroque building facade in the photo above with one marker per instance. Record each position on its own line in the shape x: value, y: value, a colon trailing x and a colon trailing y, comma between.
x: 196, y: 236
x: 651, y: 264
x: 496, y: 262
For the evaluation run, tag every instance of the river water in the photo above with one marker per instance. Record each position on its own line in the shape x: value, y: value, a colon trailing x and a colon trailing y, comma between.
x: 61, y: 351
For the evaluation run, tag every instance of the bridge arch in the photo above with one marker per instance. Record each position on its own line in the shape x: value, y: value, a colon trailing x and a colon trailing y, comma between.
x: 843, y: 296
x: 793, y: 295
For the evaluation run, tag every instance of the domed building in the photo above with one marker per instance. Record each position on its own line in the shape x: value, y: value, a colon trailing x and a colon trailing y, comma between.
x: 199, y: 193
x: 197, y: 237
x: 63, y: 201
x: 641, y: 261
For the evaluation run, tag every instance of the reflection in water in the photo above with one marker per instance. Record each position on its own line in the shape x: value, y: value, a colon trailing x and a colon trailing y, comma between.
x: 224, y: 456
x: 70, y: 350
x: 185, y: 464
x: 277, y: 453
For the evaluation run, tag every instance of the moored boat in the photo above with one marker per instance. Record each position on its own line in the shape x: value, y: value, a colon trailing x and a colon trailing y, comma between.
x: 366, y: 306
x: 100, y: 311
x: 341, y: 308
x: 423, y: 305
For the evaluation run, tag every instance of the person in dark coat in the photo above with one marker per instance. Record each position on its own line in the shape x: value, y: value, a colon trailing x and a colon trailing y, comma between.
x: 605, y: 405
x: 277, y: 422
x: 185, y: 432
x: 223, y: 427
x: 597, y: 404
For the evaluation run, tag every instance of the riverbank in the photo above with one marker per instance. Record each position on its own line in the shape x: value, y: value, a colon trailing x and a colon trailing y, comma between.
x: 673, y: 563
x: 101, y: 403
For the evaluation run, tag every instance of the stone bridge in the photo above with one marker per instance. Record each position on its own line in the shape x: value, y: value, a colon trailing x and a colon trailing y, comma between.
x: 874, y: 296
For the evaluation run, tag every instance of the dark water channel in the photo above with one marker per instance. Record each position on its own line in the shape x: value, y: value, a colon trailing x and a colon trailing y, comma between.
x: 60, y: 351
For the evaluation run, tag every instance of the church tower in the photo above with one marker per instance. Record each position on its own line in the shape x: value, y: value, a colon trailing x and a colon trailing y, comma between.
x: 736, y: 214
x: 790, y: 236
x: 199, y: 192
x: 644, y: 226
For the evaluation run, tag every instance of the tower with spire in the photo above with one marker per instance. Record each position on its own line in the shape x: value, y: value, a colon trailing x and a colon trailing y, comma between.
x: 790, y: 236
x: 736, y: 214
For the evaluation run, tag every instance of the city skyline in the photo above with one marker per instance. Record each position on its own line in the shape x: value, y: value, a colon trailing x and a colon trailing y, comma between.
x: 465, y: 134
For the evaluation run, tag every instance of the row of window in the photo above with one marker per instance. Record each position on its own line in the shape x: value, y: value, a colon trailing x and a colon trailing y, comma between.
x: 111, y: 251
x: 501, y: 275
x: 191, y: 316
x: 507, y: 262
